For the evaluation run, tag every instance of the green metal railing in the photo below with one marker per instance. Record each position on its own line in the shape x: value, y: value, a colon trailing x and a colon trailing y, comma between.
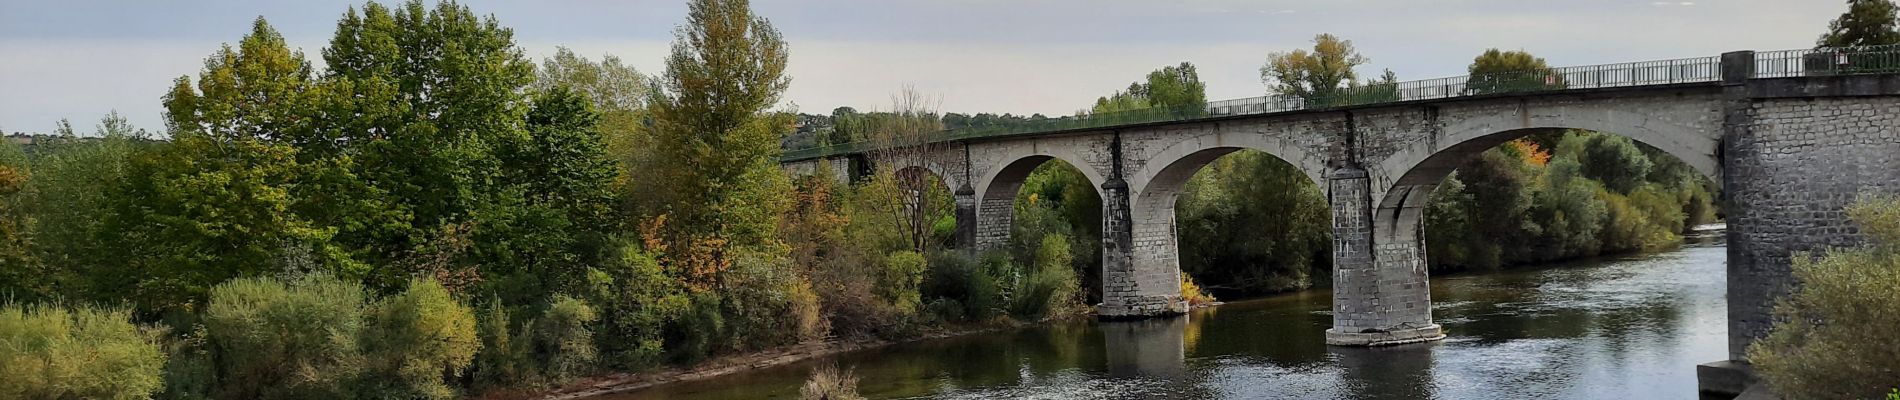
x: 1773, y: 64
x: 1828, y: 61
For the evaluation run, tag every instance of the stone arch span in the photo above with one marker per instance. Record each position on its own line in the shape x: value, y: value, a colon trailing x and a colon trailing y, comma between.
x: 1381, y: 292
x: 951, y: 177
x: 1156, y: 242
x: 996, y: 196
x: 1690, y: 129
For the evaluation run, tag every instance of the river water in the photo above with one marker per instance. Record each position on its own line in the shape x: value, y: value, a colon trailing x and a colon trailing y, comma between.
x: 1617, y: 328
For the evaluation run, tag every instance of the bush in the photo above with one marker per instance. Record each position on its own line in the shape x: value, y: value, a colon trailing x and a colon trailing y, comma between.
x: 504, y: 358
x: 636, y: 303
x: 50, y: 352
x: 285, y: 340
x: 190, y: 372
x: 563, y: 346
x: 1193, y: 294
x: 903, y: 272
x: 828, y: 383
x: 1051, y: 286
x: 959, y: 289
x: 1835, y: 334
x: 414, y: 339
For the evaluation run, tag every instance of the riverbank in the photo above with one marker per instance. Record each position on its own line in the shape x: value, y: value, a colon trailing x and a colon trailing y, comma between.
x: 621, y: 382
x: 625, y: 382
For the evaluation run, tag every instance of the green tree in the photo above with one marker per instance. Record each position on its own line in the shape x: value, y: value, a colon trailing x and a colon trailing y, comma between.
x: 21, y: 273
x: 722, y: 187
x: 1315, y: 76
x: 72, y: 187
x: 619, y: 94
x: 1866, y: 23
x: 219, y: 201
x: 1251, y: 223
x: 1834, y: 335
x: 1175, y: 87
x: 847, y: 125
x: 1496, y: 71
x: 1615, y: 161
x: 434, y: 97
x: 554, y: 220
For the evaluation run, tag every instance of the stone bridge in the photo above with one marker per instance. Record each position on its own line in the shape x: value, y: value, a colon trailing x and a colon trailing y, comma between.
x: 1791, y: 141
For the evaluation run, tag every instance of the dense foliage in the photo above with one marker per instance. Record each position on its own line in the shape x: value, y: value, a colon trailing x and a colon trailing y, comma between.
x: 1594, y: 194
x: 1834, y: 339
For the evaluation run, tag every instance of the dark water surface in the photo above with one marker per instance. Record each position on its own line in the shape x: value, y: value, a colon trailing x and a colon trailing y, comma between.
x: 1619, y: 328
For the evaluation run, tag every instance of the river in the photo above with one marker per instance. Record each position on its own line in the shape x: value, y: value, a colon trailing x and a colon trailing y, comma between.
x: 1629, y: 327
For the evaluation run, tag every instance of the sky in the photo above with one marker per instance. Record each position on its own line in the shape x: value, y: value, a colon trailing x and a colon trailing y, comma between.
x: 80, y: 59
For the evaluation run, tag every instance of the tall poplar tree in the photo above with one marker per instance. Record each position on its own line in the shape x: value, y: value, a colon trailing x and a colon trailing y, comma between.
x: 722, y: 189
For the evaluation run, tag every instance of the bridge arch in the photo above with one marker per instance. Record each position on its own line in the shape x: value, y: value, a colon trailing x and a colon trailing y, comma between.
x: 950, y: 176
x: 1157, y: 189
x: 1689, y: 130
x: 996, y: 195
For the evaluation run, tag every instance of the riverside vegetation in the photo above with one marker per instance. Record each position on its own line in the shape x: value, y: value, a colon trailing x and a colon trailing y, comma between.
x: 432, y: 215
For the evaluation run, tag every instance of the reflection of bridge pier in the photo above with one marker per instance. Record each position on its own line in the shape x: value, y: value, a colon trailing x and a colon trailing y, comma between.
x: 1387, y: 372
x: 1152, y: 348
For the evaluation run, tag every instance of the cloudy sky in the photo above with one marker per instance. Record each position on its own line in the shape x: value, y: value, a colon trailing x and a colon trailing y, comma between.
x: 79, y: 59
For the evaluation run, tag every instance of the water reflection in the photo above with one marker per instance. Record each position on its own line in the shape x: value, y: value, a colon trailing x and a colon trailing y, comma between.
x: 1621, y: 328
x: 1392, y: 372
x: 1153, y: 348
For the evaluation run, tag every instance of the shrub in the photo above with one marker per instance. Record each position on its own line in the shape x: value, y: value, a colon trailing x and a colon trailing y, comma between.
x: 51, y: 352
x: 829, y: 383
x: 1051, y: 286
x: 563, y: 345
x: 903, y: 272
x: 959, y: 289
x: 1834, y: 336
x: 279, y: 340
x: 1193, y: 294
x: 636, y: 303
x: 503, y: 359
x: 414, y: 339
x: 763, y: 304
x: 189, y: 369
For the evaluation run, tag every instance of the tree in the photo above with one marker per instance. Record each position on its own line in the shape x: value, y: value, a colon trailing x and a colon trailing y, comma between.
x: 1497, y: 71
x: 555, y: 219
x: 1175, y: 87
x: 1615, y: 161
x: 847, y: 126
x: 901, y: 137
x: 72, y: 198
x: 22, y: 275
x: 426, y: 102
x: 219, y: 202
x: 722, y: 187
x: 1315, y: 76
x: 1834, y: 335
x: 1866, y: 23
x: 619, y: 94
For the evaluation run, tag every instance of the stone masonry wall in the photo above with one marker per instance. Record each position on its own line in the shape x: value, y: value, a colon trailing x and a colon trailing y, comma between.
x: 1791, y: 170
